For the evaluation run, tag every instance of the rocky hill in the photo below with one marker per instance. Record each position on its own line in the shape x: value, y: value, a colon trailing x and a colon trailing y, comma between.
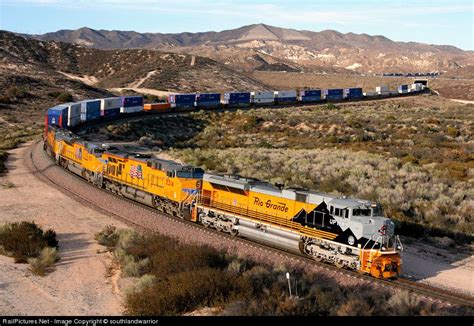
x: 288, y: 49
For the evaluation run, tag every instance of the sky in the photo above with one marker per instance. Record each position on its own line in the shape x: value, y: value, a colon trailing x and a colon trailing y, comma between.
x: 448, y: 22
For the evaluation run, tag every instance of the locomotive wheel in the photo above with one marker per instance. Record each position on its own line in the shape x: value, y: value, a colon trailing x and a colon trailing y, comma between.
x: 318, y: 258
x: 301, y: 247
x: 234, y: 232
x: 339, y: 263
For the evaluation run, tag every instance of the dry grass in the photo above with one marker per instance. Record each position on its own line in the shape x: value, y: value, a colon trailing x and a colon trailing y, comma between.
x: 182, y: 278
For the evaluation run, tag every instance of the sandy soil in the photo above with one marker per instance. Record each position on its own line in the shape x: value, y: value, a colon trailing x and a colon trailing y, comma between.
x: 448, y: 268
x: 141, y: 90
x: 78, y: 286
x: 88, y: 80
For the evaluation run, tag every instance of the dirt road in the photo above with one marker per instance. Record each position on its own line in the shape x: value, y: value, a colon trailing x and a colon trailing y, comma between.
x: 78, y: 286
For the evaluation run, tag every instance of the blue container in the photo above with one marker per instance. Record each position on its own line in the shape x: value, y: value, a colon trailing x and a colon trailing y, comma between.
x: 129, y: 101
x: 208, y: 104
x: 311, y: 98
x: 242, y: 97
x: 57, y: 116
x: 184, y: 104
x: 334, y: 92
x: 353, y: 93
x: 111, y: 112
x: 403, y: 87
x: 90, y: 110
x: 311, y: 92
x: 182, y: 98
x: 208, y: 97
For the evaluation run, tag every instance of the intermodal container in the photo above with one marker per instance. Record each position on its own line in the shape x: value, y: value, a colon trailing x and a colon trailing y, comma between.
x: 182, y: 98
x: 159, y: 107
x: 213, y: 104
x: 183, y: 105
x: 208, y: 97
x: 353, y: 93
x: 111, y: 112
x: 90, y: 110
x: 333, y: 94
x: 309, y: 98
x: 310, y: 92
x: 285, y: 96
x: 403, y: 89
x: 382, y: 90
x: 74, y: 114
x: 263, y: 100
x: 237, y: 99
x: 263, y: 95
x: 131, y: 109
x: 57, y: 116
x: 111, y: 103
x: 131, y: 101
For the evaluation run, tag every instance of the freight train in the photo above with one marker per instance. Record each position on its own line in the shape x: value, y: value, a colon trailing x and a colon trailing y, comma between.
x: 347, y: 232
x: 69, y: 115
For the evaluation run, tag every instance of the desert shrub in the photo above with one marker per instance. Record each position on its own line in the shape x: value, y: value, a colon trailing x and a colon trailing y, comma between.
x: 181, y: 292
x: 64, y: 97
x: 107, y: 236
x: 3, y: 158
x: 44, y: 263
x: 23, y: 240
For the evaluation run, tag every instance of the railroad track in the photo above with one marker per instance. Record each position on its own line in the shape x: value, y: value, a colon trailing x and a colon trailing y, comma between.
x: 422, y: 290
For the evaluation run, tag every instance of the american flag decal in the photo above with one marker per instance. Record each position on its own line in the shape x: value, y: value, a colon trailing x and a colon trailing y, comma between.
x: 136, y: 171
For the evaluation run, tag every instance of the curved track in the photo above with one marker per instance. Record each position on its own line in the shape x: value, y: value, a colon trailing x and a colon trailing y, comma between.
x: 269, y: 253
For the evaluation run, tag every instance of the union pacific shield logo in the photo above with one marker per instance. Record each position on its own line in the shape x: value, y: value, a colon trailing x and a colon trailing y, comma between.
x: 136, y: 171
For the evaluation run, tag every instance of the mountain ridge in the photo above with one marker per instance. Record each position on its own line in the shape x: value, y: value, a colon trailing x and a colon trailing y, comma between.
x: 327, y: 51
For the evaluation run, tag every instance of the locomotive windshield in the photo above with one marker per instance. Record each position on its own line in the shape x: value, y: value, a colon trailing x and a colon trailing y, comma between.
x: 361, y: 212
x: 377, y: 210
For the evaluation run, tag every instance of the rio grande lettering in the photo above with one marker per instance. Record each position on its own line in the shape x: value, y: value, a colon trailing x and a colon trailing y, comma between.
x: 268, y: 204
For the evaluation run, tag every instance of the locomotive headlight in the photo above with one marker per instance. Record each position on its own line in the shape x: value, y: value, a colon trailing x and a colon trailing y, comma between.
x: 383, y: 248
x: 399, y: 247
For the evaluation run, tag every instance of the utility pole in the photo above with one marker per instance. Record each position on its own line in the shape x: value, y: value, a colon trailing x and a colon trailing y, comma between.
x: 289, y: 284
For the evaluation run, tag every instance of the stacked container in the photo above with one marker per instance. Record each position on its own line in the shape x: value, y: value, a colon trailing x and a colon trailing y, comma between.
x: 182, y: 100
x: 90, y: 110
x: 285, y: 96
x: 208, y: 100
x: 403, y: 89
x: 382, y: 90
x: 237, y: 99
x: 335, y: 94
x: 110, y: 106
x: 58, y: 116
x: 263, y: 97
x: 353, y: 93
x: 310, y: 95
x: 416, y: 87
x: 130, y: 104
x: 157, y: 107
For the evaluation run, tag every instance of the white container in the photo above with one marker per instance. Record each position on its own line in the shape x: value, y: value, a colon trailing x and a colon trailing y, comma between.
x: 283, y: 94
x: 110, y: 103
x: 74, y: 114
x: 263, y: 100
x: 131, y: 109
x: 263, y: 95
x: 380, y: 89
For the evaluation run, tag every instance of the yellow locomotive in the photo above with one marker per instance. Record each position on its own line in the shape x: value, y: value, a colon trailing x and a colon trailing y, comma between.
x: 165, y: 185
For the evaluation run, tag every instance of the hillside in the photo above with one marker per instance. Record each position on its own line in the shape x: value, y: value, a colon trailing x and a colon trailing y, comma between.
x: 243, y: 48
x: 125, y: 68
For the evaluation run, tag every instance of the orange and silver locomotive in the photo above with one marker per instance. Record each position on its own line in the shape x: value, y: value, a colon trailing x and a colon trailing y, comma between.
x: 348, y: 232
